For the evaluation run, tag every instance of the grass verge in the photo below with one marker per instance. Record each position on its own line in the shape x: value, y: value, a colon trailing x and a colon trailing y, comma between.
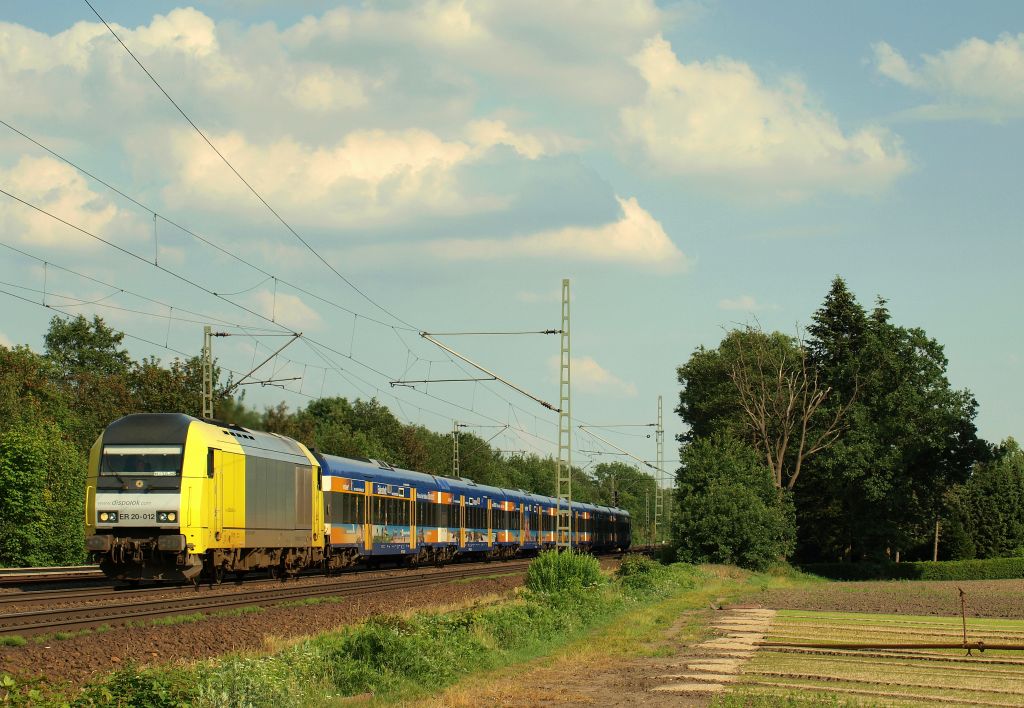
x: 391, y: 658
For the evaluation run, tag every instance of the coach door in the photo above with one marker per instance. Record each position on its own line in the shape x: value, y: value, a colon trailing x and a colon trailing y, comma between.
x: 215, y: 487
x: 367, y: 516
x: 413, y: 521
x: 462, y: 520
x: 490, y: 523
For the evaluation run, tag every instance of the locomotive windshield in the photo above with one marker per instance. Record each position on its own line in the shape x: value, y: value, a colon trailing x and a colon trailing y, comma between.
x: 135, y: 460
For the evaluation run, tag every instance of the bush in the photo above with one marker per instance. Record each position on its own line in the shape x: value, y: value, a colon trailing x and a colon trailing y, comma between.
x: 554, y: 571
x: 640, y: 574
x: 991, y: 569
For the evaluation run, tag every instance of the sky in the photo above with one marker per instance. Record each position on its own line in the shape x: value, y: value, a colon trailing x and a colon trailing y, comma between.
x: 441, y: 166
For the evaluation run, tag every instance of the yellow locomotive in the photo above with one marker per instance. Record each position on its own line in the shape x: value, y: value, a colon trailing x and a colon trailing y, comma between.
x: 169, y: 496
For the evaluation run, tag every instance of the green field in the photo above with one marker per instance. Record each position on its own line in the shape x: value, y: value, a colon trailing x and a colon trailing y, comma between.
x: 886, y: 676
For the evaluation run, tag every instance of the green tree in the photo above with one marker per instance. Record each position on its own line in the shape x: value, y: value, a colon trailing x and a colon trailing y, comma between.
x: 986, y: 513
x: 76, y: 345
x: 910, y: 436
x: 22, y: 498
x: 729, y: 509
x: 763, y: 388
x: 635, y: 490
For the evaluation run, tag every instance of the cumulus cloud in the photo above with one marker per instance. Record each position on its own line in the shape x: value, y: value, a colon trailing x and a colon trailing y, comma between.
x: 745, y: 303
x: 636, y: 238
x: 590, y: 377
x: 719, y: 120
x: 369, y: 176
x: 289, y: 310
x: 372, y: 65
x: 60, y: 190
x: 227, y: 72
x: 523, y: 44
x: 974, y: 79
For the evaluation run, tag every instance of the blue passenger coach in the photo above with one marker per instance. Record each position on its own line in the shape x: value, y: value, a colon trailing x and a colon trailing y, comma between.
x: 374, y: 511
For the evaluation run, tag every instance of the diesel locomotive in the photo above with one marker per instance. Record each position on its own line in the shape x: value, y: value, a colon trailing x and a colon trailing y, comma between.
x: 170, y: 496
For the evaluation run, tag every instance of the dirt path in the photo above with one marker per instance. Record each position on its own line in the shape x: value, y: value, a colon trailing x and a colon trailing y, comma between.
x: 679, y: 673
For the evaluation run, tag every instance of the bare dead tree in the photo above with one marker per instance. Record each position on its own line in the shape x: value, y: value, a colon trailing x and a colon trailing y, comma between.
x: 781, y: 395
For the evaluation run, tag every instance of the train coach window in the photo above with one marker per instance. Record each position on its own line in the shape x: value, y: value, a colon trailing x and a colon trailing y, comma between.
x: 347, y: 508
x: 388, y: 511
x: 425, y: 515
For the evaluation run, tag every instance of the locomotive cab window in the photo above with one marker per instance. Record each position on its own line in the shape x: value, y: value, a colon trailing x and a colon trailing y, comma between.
x: 135, y: 460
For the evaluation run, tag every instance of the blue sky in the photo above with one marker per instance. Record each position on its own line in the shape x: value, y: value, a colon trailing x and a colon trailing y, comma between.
x: 689, y: 166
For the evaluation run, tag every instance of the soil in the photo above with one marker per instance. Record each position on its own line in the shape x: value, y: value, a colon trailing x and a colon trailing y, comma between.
x: 76, y: 660
x: 984, y: 598
x: 681, y: 674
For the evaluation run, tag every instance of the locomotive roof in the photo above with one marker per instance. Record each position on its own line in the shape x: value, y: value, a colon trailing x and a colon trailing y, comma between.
x: 148, y: 429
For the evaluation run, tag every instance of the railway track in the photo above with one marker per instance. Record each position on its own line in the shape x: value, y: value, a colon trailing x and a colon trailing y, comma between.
x: 29, y: 576
x: 137, y: 608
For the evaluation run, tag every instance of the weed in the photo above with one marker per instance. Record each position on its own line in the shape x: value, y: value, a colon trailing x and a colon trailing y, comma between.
x: 239, y: 611
x: 492, y: 576
x: 553, y: 571
x: 178, y: 619
x: 13, y: 640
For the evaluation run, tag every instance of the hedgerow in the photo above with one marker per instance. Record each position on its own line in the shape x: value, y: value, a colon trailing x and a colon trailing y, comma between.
x: 989, y: 569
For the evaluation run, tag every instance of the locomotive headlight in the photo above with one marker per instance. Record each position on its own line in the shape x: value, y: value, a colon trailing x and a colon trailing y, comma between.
x: 166, y: 517
x: 108, y: 517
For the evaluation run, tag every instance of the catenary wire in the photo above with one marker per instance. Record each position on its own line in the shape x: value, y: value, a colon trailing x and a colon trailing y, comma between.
x: 240, y: 177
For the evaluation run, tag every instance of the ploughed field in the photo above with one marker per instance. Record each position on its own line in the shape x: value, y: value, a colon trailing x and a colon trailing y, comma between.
x: 893, y: 612
x: 985, y: 598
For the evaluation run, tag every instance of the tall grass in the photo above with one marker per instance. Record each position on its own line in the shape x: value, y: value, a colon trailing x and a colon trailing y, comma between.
x: 554, y: 571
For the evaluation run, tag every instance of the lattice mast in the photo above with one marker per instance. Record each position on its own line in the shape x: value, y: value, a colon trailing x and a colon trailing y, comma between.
x: 666, y: 494
x: 659, y: 492
x: 563, y: 465
x: 455, y: 450
x: 207, y: 358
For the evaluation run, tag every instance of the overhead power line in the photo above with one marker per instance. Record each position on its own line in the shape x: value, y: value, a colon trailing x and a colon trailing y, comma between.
x: 255, y: 192
x: 512, y: 407
x: 276, y: 214
x: 239, y: 175
x: 199, y: 237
